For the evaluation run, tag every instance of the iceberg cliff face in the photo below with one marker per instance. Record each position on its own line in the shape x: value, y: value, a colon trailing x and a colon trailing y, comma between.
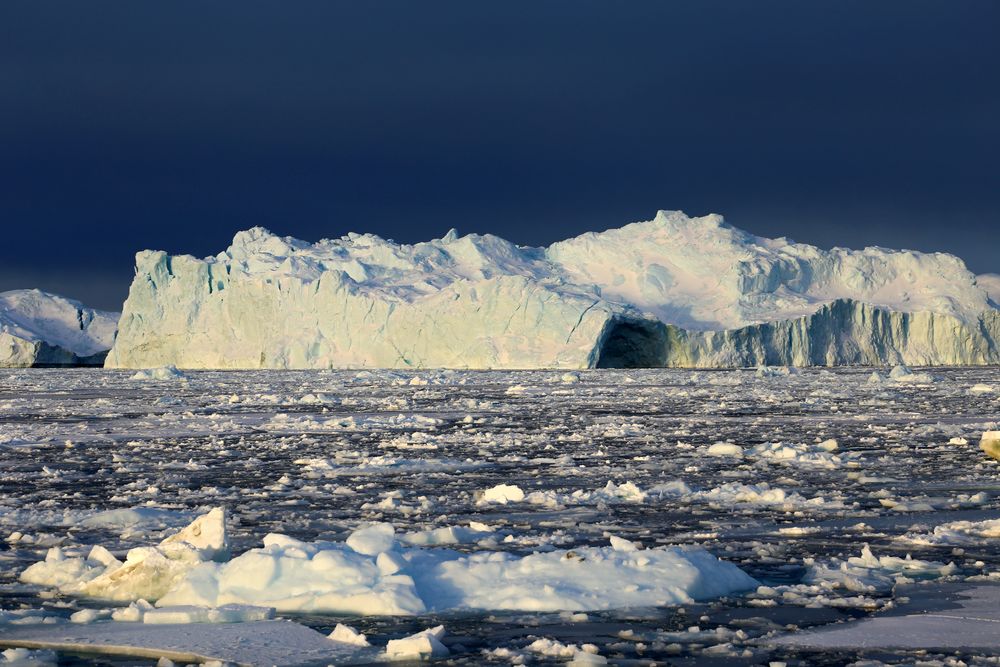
x: 844, y: 332
x: 673, y: 291
x: 282, y: 305
x: 41, y: 329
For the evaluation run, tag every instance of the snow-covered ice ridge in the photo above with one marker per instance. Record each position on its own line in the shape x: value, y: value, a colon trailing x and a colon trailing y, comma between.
x: 42, y: 329
x: 672, y: 291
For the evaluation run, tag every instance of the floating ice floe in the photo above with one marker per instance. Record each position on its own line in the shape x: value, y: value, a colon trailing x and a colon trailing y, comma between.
x: 857, y: 582
x: 725, y: 449
x: 824, y: 454
x: 161, y: 373
x: 869, y: 573
x: 990, y: 443
x: 420, y: 646
x: 371, y: 574
x: 501, y: 494
x: 587, y: 654
x: 148, y: 572
x: 902, y: 375
x: 345, y: 634
x: 776, y: 371
x: 958, y: 533
x: 447, y: 535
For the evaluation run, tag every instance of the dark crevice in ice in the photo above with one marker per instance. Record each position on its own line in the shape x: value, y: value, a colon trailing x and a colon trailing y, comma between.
x: 633, y: 344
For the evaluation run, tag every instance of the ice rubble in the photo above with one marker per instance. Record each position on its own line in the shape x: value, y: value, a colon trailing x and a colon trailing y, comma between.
x: 819, y: 455
x: 672, y: 291
x: 856, y: 582
x: 147, y: 573
x: 42, y: 329
x: 371, y: 573
x: 958, y: 533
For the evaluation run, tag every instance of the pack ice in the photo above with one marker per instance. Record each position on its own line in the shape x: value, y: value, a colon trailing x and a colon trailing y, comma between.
x: 42, y: 329
x: 672, y: 291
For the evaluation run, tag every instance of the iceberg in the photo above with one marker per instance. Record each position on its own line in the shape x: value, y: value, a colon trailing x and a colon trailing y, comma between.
x: 42, y: 329
x: 673, y: 291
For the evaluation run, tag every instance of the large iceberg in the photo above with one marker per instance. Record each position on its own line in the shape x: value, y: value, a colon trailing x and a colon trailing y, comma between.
x: 672, y: 291
x: 361, y: 301
x: 41, y: 329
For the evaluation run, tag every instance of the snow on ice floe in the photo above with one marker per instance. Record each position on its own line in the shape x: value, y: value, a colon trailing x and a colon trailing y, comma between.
x: 270, y: 642
x: 962, y: 619
x: 675, y: 291
x: 372, y: 574
x: 42, y: 329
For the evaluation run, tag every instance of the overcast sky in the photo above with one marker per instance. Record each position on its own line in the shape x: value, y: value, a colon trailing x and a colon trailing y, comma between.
x: 171, y: 125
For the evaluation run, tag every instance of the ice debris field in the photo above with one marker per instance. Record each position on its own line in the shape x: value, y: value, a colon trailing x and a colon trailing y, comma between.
x: 499, y: 517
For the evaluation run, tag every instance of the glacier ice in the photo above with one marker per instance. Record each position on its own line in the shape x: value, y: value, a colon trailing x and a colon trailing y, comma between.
x: 42, y: 329
x: 672, y: 291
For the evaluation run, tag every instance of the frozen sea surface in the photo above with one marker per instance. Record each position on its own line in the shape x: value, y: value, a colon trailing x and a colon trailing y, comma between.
x: 787, y: 475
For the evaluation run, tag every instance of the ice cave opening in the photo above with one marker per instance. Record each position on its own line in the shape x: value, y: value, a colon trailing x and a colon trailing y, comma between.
x: 633, y: 344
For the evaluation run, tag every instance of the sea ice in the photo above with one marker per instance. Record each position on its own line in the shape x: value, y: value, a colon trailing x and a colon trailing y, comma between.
x: 368, y: 574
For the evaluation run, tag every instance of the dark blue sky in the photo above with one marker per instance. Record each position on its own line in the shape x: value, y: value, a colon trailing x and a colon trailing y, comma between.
x: 171, y: 125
